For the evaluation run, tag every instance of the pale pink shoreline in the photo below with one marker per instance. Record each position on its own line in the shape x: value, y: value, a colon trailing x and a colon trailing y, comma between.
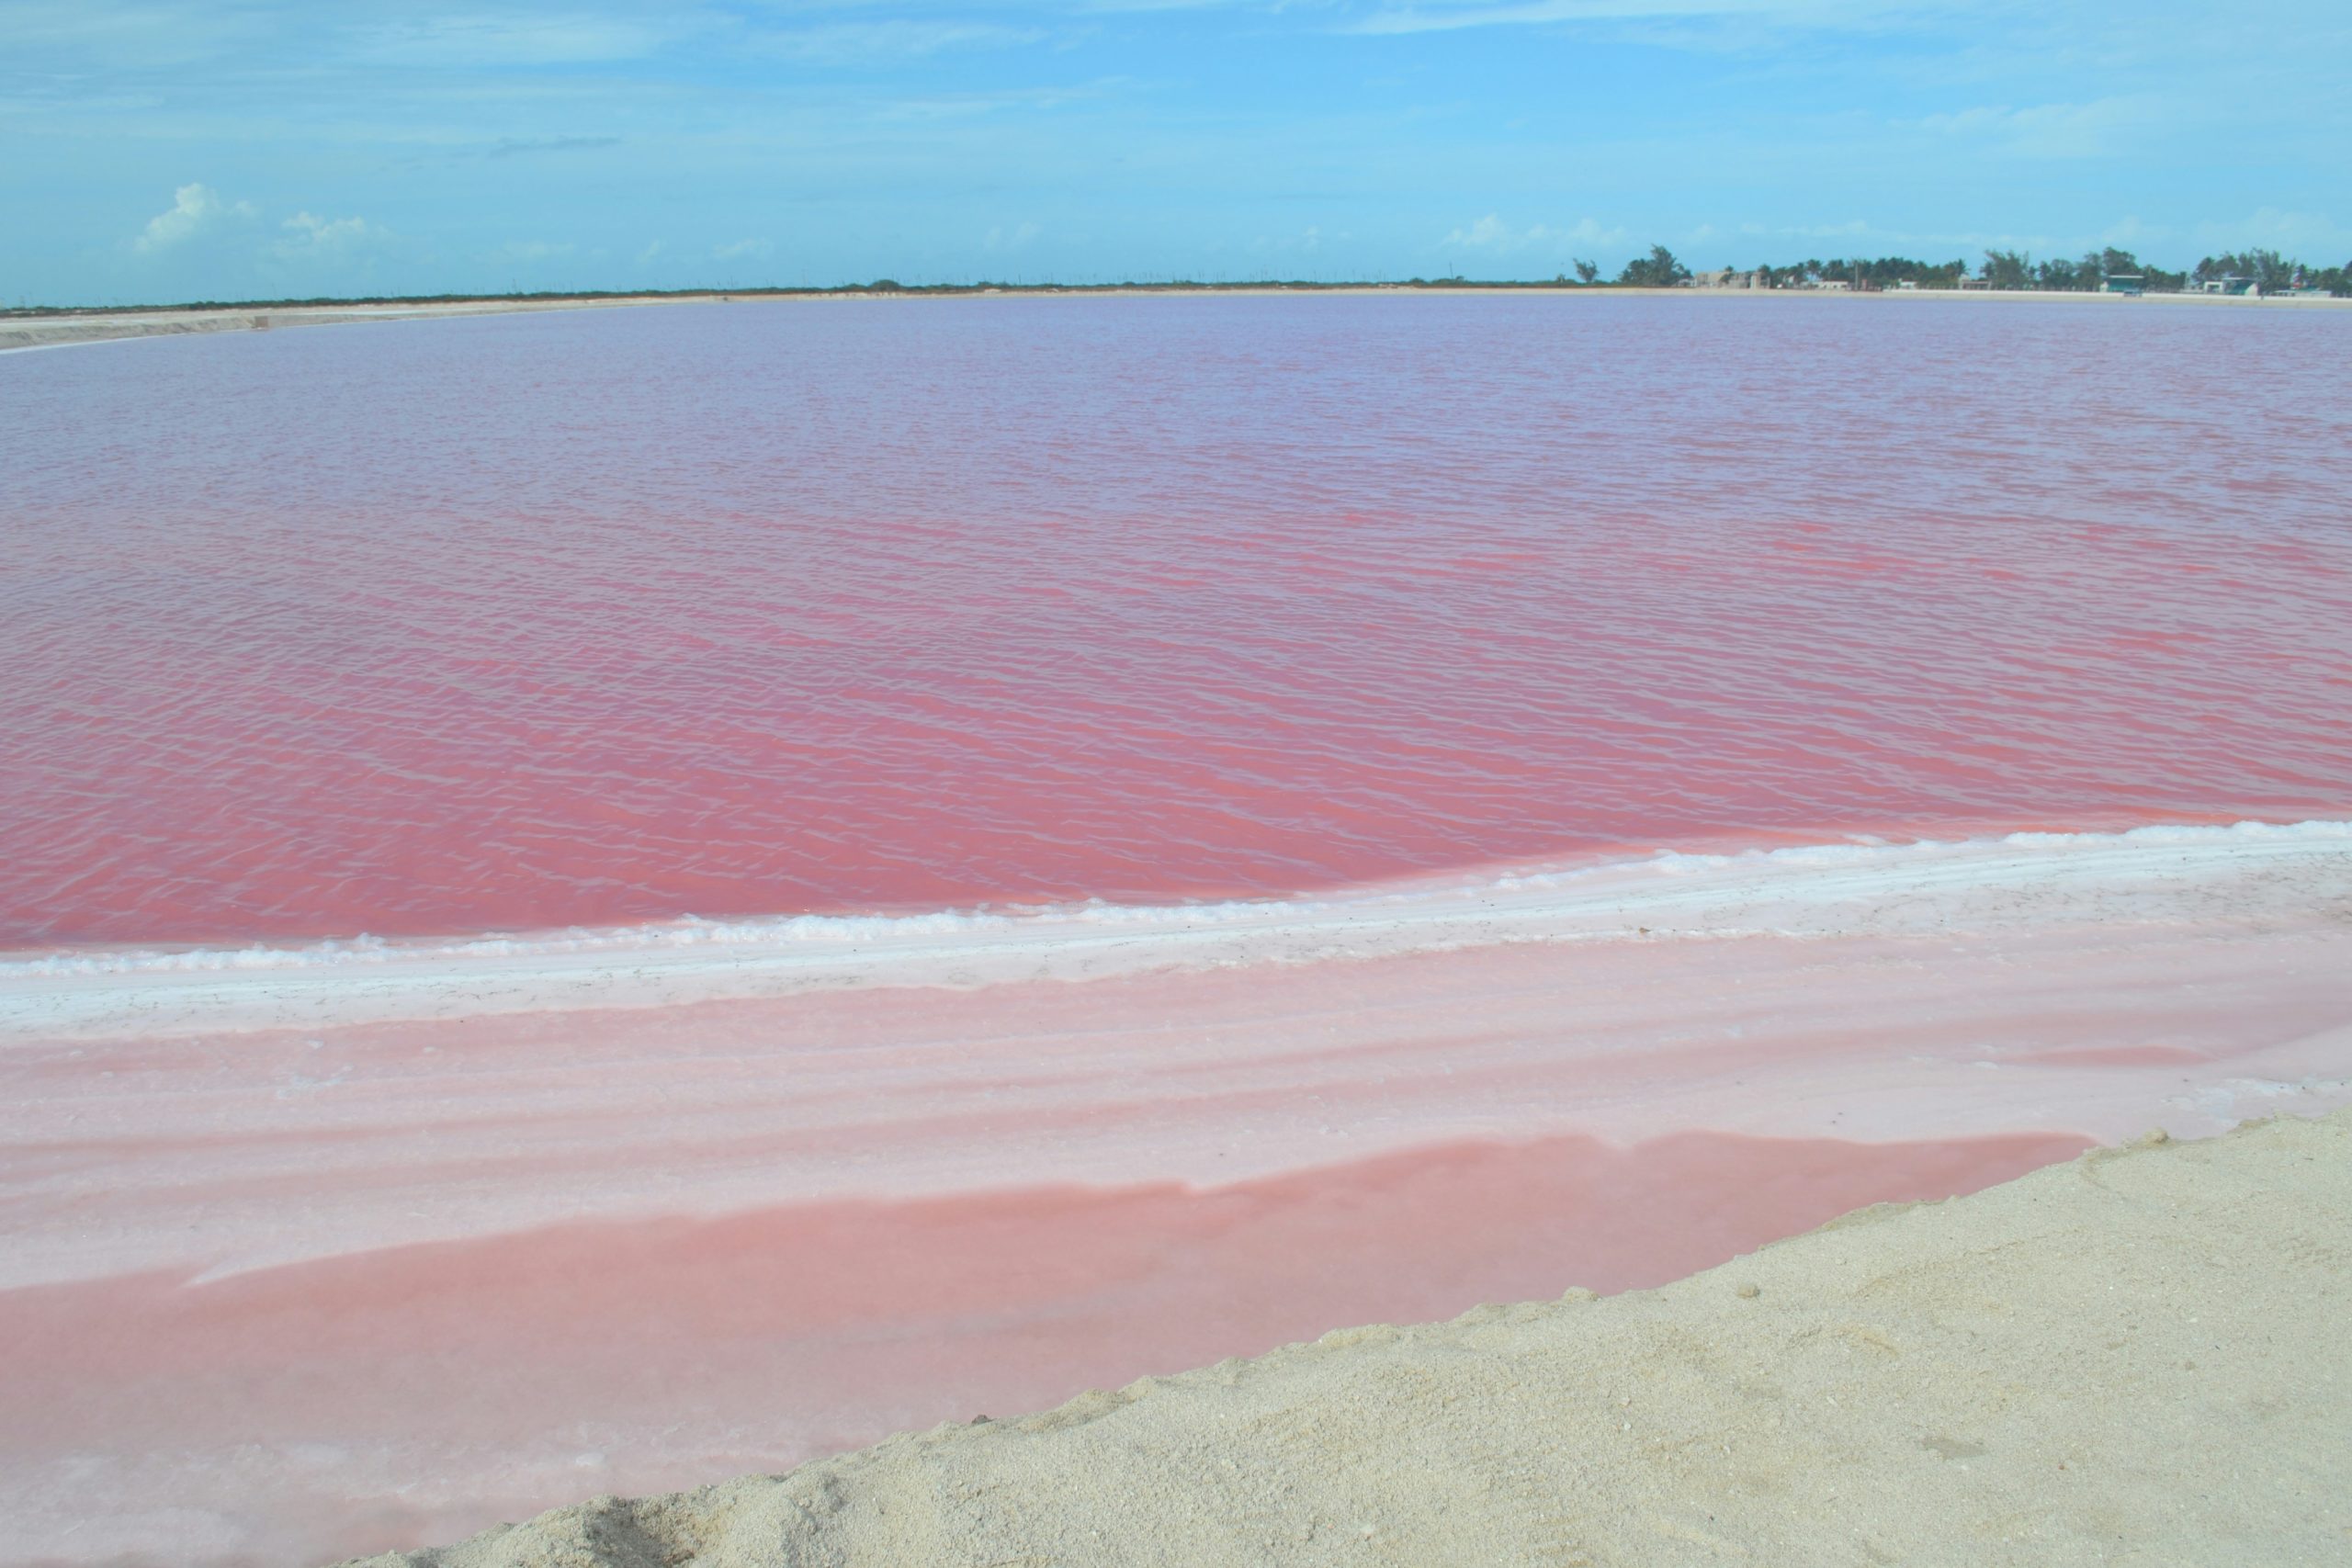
x: 308, y: 1281
x: 657, y: 1354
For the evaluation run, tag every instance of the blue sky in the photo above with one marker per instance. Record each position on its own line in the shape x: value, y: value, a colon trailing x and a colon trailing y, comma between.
x: 156, y: 150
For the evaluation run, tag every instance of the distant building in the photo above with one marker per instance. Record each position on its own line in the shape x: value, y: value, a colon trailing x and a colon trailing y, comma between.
x: 2124, y: 283
x: 1726, y: 278
x: 2233, y: 284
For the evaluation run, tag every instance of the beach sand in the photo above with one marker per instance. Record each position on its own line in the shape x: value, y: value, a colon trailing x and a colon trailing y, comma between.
x: 2142, y: 1356
x: 102, y: 326
x: 20, y: 332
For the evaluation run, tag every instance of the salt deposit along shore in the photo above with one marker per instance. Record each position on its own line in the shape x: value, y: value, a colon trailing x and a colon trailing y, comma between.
x: 2144, y: 1355
x: 23, y: 331
x: 316, y: 1252
x: 26, y: 331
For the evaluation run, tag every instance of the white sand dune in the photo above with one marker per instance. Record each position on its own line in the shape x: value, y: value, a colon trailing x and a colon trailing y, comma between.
x: 2140, y: 1357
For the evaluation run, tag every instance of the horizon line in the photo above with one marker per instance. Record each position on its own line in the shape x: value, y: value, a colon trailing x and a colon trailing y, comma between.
x: 889, y: 287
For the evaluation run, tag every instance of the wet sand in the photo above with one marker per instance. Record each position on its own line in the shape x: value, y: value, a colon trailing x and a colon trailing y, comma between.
x: 2137, y: 1357
x: 414, y: 1394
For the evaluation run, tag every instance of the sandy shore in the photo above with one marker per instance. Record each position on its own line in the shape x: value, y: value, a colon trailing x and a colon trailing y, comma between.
x: 102, y: 326
x: 107, y: 326
x: 2139, y: 1357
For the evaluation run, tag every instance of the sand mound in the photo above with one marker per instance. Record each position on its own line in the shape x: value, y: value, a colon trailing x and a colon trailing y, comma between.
x: 2144, y: 1355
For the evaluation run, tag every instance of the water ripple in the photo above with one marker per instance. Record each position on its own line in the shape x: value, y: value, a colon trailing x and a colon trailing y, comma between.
x: 594, y: 618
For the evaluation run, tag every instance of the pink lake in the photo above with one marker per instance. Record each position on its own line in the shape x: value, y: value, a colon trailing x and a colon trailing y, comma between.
x: 612, y: 617
x: 1255, y: 723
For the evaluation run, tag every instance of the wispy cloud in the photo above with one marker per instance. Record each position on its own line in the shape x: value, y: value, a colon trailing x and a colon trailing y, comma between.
x: 139, y: 35
x: 1851, y: 229
x: 1492, y: 235
x: 439, y: 150
x: 2092, y: 129
x: 518, y: 146
x: 897, y: 37
x: 2322, y: 238
x: 1307, y: 241
x: 744, y: 249
x: 1443, y: 17
x: 967, y: 105
x: 518, y: 38
x: 531, y: 251
x: 193, y: 208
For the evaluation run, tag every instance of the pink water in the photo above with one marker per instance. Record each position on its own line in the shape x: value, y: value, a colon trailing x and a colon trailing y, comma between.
x: 621, y: 615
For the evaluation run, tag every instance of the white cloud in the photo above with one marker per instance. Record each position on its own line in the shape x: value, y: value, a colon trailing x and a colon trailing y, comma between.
x: 307, y: 233
x: 744, y: 249
x: 1490, y: 233
x: 651, y: 251
x: 194, y: 207
x: 1003, y: 239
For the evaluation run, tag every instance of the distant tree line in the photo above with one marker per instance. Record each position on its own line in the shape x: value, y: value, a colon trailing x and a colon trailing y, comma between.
x: 1660, y: 269
x: 2015, y: 269
x: 1881, y: 272
x: 1657, y: 270
x: 2266, y: 270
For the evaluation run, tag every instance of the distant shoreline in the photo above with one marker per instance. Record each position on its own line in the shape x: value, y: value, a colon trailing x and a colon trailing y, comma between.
x: 51, y: 327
